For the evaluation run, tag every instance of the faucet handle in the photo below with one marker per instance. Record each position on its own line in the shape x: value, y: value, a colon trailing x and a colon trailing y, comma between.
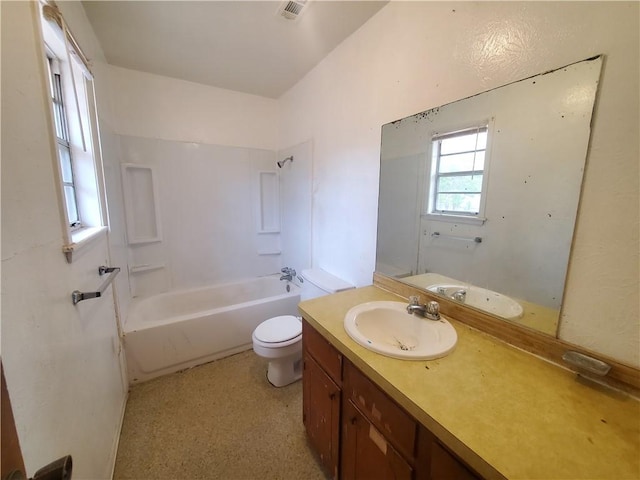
x: 433, y: 310
x: 414, y: 300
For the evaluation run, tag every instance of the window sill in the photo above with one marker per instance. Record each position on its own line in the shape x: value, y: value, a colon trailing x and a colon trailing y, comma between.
x: 455, y: 218
x: 80, y: 239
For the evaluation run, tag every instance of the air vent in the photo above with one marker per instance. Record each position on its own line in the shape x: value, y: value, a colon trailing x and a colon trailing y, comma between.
x: 292, y: 9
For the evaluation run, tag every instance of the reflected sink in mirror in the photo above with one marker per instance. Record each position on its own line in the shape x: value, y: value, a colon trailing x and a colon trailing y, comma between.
x: 529, y: 315
x: 387, y: 328
x: 491, y: 302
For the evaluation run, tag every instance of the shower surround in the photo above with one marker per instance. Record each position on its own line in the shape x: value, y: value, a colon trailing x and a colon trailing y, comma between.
x: 209, y: 205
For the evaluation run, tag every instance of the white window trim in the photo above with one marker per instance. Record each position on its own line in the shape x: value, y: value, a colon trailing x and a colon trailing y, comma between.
x: 81, y: 239
x: 76, y: 239
x: 448, y: 217
x: 480, y: 218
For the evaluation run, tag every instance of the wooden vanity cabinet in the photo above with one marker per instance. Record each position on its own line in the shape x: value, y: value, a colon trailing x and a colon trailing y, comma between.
x: 321, y: 397
x: 366, y: 453
x: 358, y: 431
x: 378, y: 437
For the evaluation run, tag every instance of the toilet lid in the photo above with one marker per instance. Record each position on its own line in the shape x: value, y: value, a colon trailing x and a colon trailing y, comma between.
x: 278, y: 329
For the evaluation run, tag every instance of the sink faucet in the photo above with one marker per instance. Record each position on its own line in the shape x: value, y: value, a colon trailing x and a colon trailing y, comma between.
x: 287, y: 274
x: 459, y: 295
x: 430, y: 310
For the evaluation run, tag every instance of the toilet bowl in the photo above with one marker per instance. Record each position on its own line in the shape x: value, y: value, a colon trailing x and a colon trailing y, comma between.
x: 279, y: 339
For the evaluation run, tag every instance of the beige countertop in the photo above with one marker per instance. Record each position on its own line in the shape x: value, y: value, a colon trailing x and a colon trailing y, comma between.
x: 504, y: 411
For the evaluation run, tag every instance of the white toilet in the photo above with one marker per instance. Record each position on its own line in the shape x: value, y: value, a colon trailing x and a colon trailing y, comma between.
x: 279, y: 339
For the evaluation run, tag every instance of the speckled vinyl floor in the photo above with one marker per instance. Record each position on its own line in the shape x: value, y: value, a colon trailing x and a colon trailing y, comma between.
x: 222, y: 420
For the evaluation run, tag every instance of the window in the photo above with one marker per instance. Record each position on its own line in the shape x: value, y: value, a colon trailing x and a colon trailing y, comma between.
x: 64, y: 147
x: 458, y: 173
x: 74, y: 133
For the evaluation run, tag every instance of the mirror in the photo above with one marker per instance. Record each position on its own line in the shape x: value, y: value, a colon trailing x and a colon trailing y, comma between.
x: 479, y: 197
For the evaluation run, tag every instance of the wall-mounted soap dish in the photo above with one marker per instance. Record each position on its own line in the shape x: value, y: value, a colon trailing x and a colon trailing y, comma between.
x: 586, y: 363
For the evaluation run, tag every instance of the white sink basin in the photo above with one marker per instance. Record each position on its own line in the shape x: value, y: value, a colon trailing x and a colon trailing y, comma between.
x: 387, y: 328
x: 481, y: 298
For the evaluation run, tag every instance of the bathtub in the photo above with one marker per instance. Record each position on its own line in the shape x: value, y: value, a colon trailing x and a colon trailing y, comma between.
x: 181, y: 329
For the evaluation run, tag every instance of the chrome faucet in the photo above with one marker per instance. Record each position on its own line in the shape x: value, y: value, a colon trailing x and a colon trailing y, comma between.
x: 429, y: 310
x: 287, y: 274
x: 459, y: 295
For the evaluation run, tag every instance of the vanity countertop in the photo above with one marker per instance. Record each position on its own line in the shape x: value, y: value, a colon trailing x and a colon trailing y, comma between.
x: 502, y: 410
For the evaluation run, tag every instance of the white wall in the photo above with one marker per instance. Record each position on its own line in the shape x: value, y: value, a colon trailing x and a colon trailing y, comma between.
x: 153, y: 106
x: 62, y: 362
x: 413, y: 56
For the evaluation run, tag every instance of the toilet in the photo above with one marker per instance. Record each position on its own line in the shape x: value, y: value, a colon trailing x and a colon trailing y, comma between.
x: 279, y: 339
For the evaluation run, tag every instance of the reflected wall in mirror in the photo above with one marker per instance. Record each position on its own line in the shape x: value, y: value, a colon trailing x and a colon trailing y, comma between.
x: 479, y: 197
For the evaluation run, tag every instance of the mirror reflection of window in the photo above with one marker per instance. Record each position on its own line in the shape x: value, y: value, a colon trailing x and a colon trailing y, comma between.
x: 534, y: 146
x: 458, y: 172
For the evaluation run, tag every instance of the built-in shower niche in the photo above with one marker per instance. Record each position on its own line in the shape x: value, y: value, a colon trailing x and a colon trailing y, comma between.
x: 141, y: 204
x: 268, y: 214
x: 269, y: 218
x: 144, y: 232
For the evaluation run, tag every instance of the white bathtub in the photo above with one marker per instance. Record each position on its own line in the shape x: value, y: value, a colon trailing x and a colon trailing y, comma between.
x: 176, y: 330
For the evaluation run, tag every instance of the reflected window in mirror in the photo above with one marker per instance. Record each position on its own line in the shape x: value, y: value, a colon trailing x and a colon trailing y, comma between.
x: 512, y: 245
x: 458, y: 173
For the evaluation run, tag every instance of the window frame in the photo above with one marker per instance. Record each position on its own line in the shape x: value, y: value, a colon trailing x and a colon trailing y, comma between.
x: 61, y: 125
x: 78, y: 96
x: 434, y: 174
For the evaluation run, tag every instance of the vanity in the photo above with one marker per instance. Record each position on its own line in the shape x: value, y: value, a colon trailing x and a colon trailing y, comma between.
x: 494, y: 254
x: 486, y: 410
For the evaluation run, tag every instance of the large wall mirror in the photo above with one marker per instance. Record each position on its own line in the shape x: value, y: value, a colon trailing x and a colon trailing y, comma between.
x: 479, y: 197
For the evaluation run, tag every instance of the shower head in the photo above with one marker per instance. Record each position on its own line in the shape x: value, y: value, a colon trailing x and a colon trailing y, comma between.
x: 282, y: 162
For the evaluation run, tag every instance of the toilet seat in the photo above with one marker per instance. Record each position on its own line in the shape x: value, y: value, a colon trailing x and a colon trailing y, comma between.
x: 278, y: 331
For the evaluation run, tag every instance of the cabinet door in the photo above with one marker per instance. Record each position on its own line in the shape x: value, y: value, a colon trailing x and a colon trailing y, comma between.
x: 323, y: 352
x: 321, y: 413
x: 435, y: 462
x: 366, y: 454
x: 445, y: 466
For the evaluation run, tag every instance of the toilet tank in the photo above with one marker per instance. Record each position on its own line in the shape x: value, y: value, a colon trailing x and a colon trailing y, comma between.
x: 317, y: 282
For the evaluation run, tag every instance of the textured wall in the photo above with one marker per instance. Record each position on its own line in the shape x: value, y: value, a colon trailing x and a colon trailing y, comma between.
x: 413, y: 56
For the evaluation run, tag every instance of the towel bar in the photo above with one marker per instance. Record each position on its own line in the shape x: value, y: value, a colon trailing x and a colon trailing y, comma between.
x: 78, y: 296
x: 455, y: 237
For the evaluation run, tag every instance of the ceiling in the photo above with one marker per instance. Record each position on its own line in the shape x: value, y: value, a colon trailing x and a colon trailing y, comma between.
x: 244, y: 46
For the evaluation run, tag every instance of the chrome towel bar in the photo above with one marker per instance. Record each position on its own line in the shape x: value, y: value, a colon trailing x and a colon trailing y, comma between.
x: 78, y: 296
x: 454, y: 237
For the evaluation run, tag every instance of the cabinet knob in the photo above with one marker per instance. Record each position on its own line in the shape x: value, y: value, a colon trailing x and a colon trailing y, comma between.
x: 353, y: 420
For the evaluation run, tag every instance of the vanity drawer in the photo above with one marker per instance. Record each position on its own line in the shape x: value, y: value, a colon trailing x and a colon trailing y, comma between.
x: 323, y: 352
x: 393, y: 422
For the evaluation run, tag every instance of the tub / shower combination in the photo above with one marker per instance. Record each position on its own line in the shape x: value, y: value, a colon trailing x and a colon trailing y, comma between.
x: 172, y: 331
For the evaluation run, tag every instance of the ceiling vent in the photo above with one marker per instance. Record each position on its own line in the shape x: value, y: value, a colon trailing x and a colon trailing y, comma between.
x: 292, y: 9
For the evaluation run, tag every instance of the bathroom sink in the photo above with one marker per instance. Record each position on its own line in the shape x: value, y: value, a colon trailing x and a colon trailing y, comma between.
x: 387, y: 328
x: 481, y: 298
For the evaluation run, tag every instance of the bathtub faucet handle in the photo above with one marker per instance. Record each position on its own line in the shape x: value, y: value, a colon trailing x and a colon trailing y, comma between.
x: 288, y: 273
